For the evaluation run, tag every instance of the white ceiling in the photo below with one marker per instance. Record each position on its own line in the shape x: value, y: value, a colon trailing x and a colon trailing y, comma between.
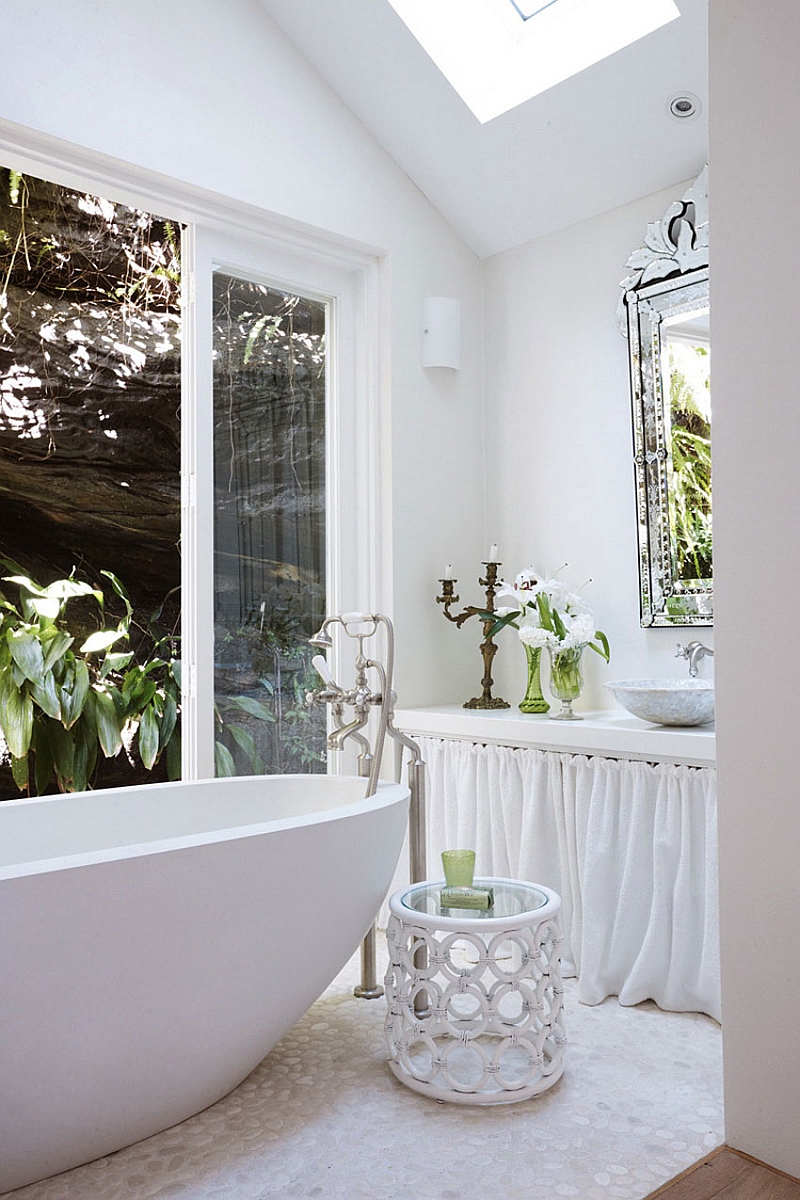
x: 596, y: 141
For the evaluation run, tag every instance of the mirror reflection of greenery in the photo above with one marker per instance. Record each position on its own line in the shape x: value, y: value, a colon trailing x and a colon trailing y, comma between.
x: 690, y: 465
x: 269, y: 728
x: 78, y: 684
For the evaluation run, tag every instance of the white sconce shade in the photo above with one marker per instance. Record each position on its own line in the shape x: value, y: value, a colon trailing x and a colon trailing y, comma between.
x: 441, y: 332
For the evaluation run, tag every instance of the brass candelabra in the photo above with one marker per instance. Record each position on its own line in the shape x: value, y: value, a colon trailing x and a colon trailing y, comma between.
x: 488, y: 648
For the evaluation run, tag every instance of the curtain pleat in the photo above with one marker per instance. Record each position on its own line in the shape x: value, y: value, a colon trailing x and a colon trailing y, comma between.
x: 629, y: 846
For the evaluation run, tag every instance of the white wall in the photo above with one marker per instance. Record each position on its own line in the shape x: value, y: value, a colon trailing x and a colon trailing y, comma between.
x: 214, y: 95
x: 561, y: 485
x: 755, y: 200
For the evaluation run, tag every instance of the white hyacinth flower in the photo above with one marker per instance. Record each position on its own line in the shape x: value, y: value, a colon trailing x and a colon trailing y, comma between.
x: 535, y: 636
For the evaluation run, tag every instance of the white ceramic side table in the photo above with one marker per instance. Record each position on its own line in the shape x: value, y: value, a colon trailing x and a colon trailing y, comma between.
x: 474, y: 998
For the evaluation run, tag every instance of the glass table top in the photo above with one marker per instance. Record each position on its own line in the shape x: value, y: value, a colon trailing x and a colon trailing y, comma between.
x: 511, y: 899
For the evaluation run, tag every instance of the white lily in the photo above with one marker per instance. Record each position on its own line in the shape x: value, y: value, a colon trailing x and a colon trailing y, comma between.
x: 548, y: 613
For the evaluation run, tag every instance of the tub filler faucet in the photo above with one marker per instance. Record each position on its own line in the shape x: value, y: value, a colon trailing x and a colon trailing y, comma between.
x: 362, y: 698
x: 693, y: 652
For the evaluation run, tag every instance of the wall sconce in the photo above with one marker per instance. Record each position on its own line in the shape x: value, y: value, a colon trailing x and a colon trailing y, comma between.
x: 441, y: 332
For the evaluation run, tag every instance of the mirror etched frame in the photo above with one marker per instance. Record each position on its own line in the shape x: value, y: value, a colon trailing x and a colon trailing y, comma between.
x: 668, y: 279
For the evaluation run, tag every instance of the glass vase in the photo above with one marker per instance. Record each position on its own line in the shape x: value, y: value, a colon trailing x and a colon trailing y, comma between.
x: 566, y: 680
x: 534, y: 701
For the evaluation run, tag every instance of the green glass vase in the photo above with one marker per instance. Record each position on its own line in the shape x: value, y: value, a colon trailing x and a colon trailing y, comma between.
x: 534, y: 701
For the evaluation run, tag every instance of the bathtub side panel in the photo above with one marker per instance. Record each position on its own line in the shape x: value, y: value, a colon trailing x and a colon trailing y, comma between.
x: 139, y: 991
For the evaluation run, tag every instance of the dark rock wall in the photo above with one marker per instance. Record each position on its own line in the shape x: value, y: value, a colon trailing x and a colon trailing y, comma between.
x: 89, y: 388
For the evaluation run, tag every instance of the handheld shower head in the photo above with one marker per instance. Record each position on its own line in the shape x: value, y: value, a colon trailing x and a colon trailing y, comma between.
x: 322, y: 639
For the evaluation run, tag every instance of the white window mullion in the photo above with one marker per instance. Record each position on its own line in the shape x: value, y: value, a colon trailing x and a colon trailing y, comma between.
x: 197, y: 568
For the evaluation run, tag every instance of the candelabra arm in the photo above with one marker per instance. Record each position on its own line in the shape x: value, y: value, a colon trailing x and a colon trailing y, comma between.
x: 465, y: 615
x: 447, y: 598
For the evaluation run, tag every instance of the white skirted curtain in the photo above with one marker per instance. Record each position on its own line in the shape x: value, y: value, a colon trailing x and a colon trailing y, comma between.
x: 630, y: 847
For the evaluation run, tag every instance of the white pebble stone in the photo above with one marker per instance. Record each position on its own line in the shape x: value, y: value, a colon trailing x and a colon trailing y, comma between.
x: 322, y: 1118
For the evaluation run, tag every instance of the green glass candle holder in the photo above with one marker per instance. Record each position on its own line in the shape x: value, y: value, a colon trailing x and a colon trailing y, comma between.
x: 459, y: 867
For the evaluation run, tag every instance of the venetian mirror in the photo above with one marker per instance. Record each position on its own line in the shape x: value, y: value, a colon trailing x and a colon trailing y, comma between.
x: 664, y: 311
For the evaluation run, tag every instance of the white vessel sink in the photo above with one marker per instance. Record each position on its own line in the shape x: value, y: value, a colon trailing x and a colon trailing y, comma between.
x: 667, y: 701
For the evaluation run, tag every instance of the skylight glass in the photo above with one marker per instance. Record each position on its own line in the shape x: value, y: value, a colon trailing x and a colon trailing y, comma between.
x: 530, y: 8
x: 496, y: 57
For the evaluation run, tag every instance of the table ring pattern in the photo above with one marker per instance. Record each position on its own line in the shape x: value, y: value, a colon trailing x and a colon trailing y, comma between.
x: 475, y: 1007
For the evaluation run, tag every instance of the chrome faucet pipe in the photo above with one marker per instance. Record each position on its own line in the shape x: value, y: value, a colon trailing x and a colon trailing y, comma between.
x: 365, y: 754
x: 417, y: 823
x: 343, y: 732
x: 693, y: 653
x: 337, y: 737
x: 368, y: 988
x: 417, y: 836
x: 417, y: 831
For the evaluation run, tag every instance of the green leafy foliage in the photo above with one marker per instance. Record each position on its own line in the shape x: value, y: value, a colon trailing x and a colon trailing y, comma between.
x: 60, y: 709
x: 270, y: 729
x: 690, y: 466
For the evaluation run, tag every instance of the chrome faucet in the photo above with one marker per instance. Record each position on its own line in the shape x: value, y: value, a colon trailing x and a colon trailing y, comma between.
x: 362, y: 698
x: 693, y: 653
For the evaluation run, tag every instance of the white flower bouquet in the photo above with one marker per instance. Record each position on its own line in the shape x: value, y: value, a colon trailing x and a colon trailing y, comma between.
x: 548, y: 615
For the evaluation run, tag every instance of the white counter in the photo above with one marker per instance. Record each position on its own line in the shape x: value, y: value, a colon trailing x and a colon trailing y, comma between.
x: 610, y: 734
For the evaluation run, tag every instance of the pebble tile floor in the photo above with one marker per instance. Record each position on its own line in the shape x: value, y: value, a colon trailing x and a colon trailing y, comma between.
x: 322, y: 1118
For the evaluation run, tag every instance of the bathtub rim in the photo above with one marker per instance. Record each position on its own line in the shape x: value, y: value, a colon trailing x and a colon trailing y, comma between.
x: 388, y: 793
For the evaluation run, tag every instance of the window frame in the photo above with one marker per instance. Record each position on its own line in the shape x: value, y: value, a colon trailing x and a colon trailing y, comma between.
x: 224, y: 233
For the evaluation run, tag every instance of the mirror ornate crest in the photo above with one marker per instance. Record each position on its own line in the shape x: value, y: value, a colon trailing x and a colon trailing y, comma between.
x: 664, y: 310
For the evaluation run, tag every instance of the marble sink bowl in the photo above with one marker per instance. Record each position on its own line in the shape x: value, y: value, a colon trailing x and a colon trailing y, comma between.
x: 667, y: 701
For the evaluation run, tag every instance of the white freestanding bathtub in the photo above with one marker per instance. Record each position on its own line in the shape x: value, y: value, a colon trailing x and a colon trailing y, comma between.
x: 156, y: 942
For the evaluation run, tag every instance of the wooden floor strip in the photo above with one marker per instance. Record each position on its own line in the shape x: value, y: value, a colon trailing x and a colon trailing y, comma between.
x: 726, y: 1175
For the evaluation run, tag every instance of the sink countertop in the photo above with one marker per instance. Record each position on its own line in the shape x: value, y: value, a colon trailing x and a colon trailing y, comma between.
x: 611, y: 733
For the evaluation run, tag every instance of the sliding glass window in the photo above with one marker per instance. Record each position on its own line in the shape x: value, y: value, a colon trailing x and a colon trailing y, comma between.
x: 269, y: 387
x: 191, y: 477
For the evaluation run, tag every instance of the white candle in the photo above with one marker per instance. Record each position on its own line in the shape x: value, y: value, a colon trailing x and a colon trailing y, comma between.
x: 448, y: 572
x: 493, y: 555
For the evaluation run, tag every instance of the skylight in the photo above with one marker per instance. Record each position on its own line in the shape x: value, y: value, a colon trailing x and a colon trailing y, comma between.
x: 496, y: 57
x: 530, y: 8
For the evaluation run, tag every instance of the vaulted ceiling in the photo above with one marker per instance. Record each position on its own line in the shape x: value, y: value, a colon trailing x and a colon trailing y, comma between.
x: 596, y: 141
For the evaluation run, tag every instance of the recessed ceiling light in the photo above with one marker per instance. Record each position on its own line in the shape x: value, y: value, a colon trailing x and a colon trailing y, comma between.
x: 684, y: 106
x: 499, y: 53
